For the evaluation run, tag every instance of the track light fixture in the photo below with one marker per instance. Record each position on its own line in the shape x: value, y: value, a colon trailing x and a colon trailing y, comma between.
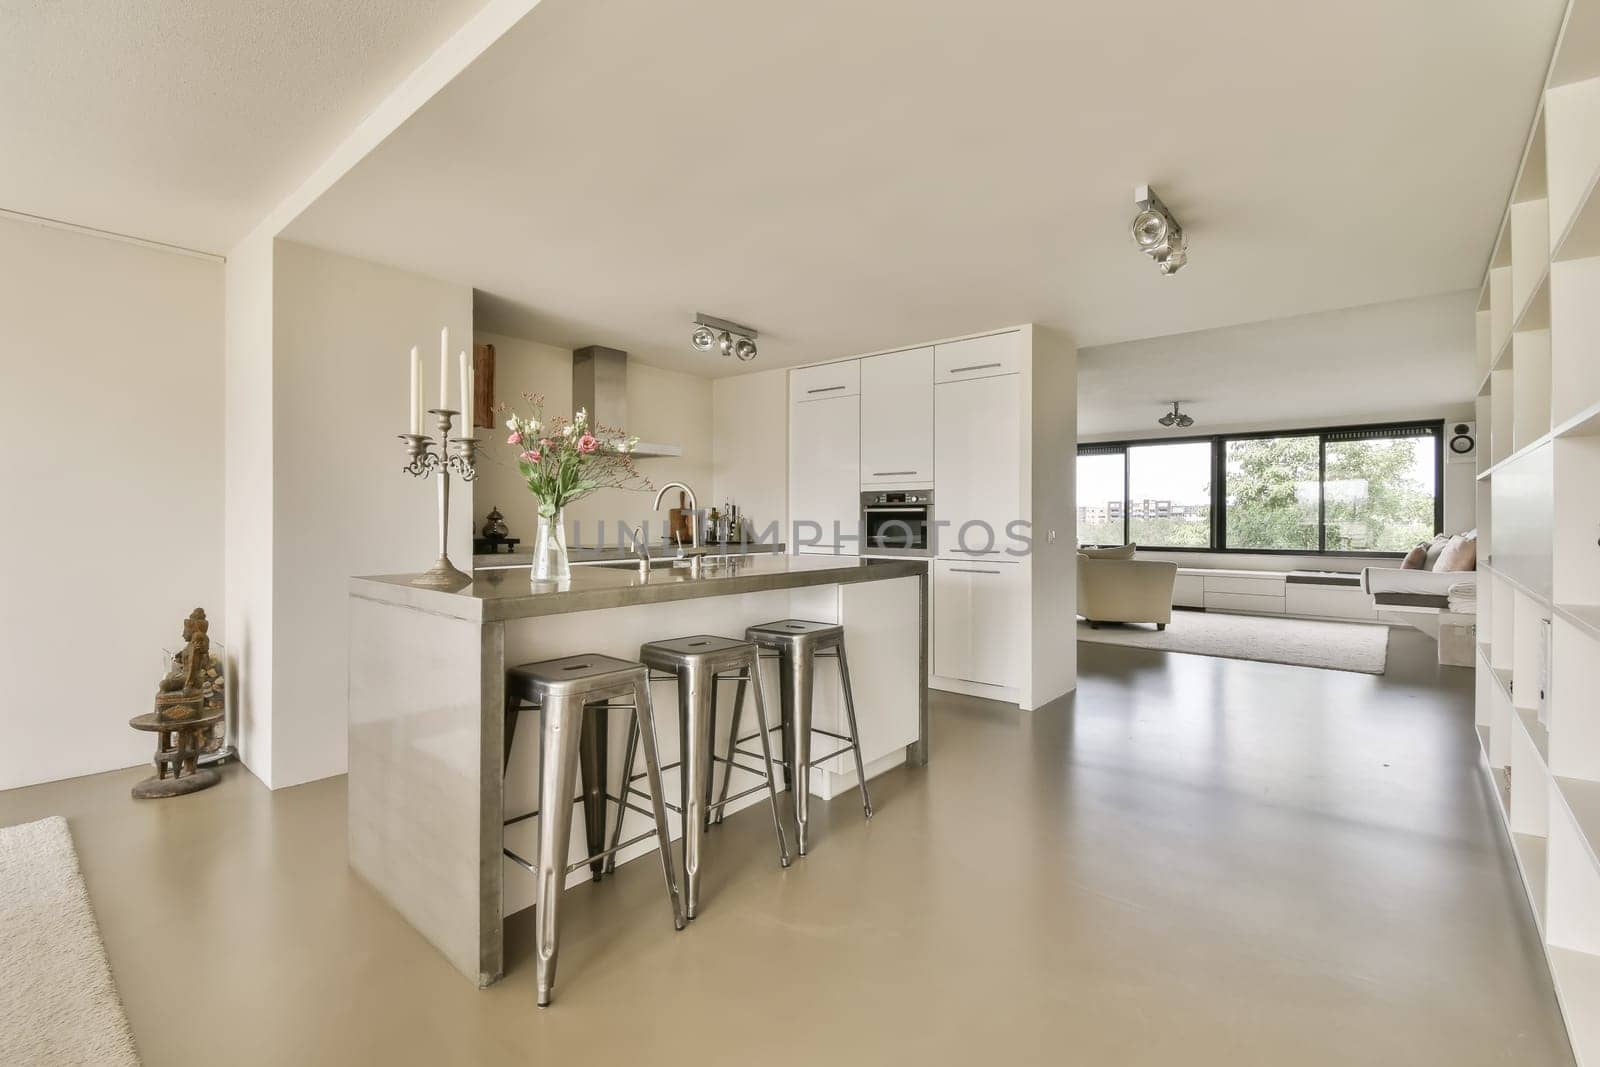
x: 729, y: 338
x: 1157, y: 232
x: 1176, y: 417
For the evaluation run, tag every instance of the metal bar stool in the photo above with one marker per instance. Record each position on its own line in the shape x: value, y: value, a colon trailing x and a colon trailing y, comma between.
x: 697, y: 664
x: 797, y: 644
x: 573, y: 693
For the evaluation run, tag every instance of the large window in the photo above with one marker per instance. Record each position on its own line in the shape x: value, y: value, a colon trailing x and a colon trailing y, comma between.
x: 1368, y: 490
x: 1272, y: 493
x: 1379, y: 490
x: 1169, y: 495
x: 1102, y: 493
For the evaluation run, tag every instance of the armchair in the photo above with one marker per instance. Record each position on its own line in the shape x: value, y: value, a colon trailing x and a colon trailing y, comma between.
x: 1115, y: 587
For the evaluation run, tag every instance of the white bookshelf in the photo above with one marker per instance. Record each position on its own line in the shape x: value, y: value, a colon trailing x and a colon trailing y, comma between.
x: 1538, y: 358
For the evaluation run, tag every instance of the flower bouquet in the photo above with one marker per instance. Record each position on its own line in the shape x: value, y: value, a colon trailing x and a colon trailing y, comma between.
x: 563, y: 460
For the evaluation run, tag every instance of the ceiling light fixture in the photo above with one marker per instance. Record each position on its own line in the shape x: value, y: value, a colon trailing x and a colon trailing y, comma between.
x: 1158, y: 233
x: 1176, y: 418
x: 730, y: 338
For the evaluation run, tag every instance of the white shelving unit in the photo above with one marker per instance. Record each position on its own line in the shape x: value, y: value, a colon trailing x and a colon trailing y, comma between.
x: 1538, y: 663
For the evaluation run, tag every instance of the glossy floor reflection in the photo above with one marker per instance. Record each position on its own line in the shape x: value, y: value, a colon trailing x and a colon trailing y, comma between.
x: 1192, y: 861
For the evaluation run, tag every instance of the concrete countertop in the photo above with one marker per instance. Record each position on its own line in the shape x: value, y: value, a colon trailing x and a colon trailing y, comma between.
x: 495, y: 595
x: 611, y: 553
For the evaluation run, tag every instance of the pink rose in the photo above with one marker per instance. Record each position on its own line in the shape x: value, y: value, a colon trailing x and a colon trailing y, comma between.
x: 530, y: 457
x: 587, y: 444
x: 515, y: 438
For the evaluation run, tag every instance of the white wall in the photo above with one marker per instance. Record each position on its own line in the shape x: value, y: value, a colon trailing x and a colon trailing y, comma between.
x: 341, y: 332
x: 750, y: 446
x: 664, y: 406
x: 1052, y: 492
x: 247, y: 500
x: 112, y: 404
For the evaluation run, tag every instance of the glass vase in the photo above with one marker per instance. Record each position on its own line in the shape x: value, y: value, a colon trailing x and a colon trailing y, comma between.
x: 550, y: 562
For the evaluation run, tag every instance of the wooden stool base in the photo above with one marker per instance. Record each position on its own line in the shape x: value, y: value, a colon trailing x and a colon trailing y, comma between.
x: 157, y: 788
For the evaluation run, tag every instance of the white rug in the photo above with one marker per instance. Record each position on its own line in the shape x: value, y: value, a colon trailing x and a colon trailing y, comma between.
x: 58, y: 1004
x: 1336, y: 646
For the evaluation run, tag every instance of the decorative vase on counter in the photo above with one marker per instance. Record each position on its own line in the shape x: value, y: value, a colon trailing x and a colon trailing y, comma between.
x: 550, y: 562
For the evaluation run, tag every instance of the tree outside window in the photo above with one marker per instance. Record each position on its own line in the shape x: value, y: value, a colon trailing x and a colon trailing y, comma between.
x: 1272, y: 493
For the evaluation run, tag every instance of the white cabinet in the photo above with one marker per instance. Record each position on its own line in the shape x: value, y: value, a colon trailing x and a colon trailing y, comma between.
x: 978, y: 357
x: 977, y: 464
x: 978, y: 623
x: 824, y: 473
x: 827, y: 382
x: 897, y: 418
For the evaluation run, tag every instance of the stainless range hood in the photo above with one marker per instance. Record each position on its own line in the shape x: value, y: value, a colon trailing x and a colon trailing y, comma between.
x: 600, y: 386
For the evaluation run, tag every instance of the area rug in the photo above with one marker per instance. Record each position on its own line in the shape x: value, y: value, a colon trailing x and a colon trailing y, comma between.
x: 1335, y: 646
x: 58, y: 1004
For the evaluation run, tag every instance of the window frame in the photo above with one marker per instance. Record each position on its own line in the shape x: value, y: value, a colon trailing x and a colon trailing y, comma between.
x: 1219, y: 481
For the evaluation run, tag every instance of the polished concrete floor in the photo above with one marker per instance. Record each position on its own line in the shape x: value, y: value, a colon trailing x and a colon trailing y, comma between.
x: 1193, y: 861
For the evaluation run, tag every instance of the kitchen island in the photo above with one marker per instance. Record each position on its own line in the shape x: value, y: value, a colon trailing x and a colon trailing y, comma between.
x: 427, y: 795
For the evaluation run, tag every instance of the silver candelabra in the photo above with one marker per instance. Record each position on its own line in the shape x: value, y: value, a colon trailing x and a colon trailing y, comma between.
x: 454, y: 455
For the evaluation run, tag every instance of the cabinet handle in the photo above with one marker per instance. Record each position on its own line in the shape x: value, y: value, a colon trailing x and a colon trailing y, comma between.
x: 885, y: 474
x: 829, y: 389
x: 971, y: 570
x: 975, y: 366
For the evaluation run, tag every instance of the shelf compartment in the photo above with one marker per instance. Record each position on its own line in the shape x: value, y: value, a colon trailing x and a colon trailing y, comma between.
x: 1583, y: 617
x: 1577, y: 55
x: 1574, y: 751
x: 1572, y: 150
x: 1577, y: 980
x: 1530, y: 245
x: 1530, y: 388
x: 1538, y: 737
x: 1574, y: 341
x: 1522, y: 513
x: 1572, y: 114
x: 1573, y: 873
x: 1575, y: 519
x: 1581, y: 799
x: 1532, y: 852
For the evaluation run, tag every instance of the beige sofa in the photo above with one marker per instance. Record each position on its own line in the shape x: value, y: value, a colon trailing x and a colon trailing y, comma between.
x: 1115, y: 587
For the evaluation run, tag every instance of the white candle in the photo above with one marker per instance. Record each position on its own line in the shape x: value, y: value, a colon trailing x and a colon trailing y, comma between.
x: 444, y: 367
x: 466, y: 398
x: 414, y: 416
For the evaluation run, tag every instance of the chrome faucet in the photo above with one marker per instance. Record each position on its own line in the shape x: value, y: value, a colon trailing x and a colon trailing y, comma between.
x: 695, y: 560
x: 694, y: 510
x: 641, y: 548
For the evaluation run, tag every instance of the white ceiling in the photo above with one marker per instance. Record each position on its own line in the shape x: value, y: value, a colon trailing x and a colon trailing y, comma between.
x: 1405, y: 359
x: 848, y: 177
x: 184, y: 122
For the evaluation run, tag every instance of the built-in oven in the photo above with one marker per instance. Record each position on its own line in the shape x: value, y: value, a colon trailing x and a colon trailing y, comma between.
x: 897, y: 522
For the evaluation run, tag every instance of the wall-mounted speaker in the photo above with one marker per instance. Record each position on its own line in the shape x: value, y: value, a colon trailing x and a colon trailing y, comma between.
x: 1460, y: 441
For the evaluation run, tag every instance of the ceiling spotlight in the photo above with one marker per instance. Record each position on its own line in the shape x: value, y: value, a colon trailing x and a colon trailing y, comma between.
x: 1157, y: 233
x: 1176, y: 417
x: 729, y: 338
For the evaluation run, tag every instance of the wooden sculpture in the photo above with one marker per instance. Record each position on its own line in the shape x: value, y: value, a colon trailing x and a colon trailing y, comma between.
x: 183, y: 720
